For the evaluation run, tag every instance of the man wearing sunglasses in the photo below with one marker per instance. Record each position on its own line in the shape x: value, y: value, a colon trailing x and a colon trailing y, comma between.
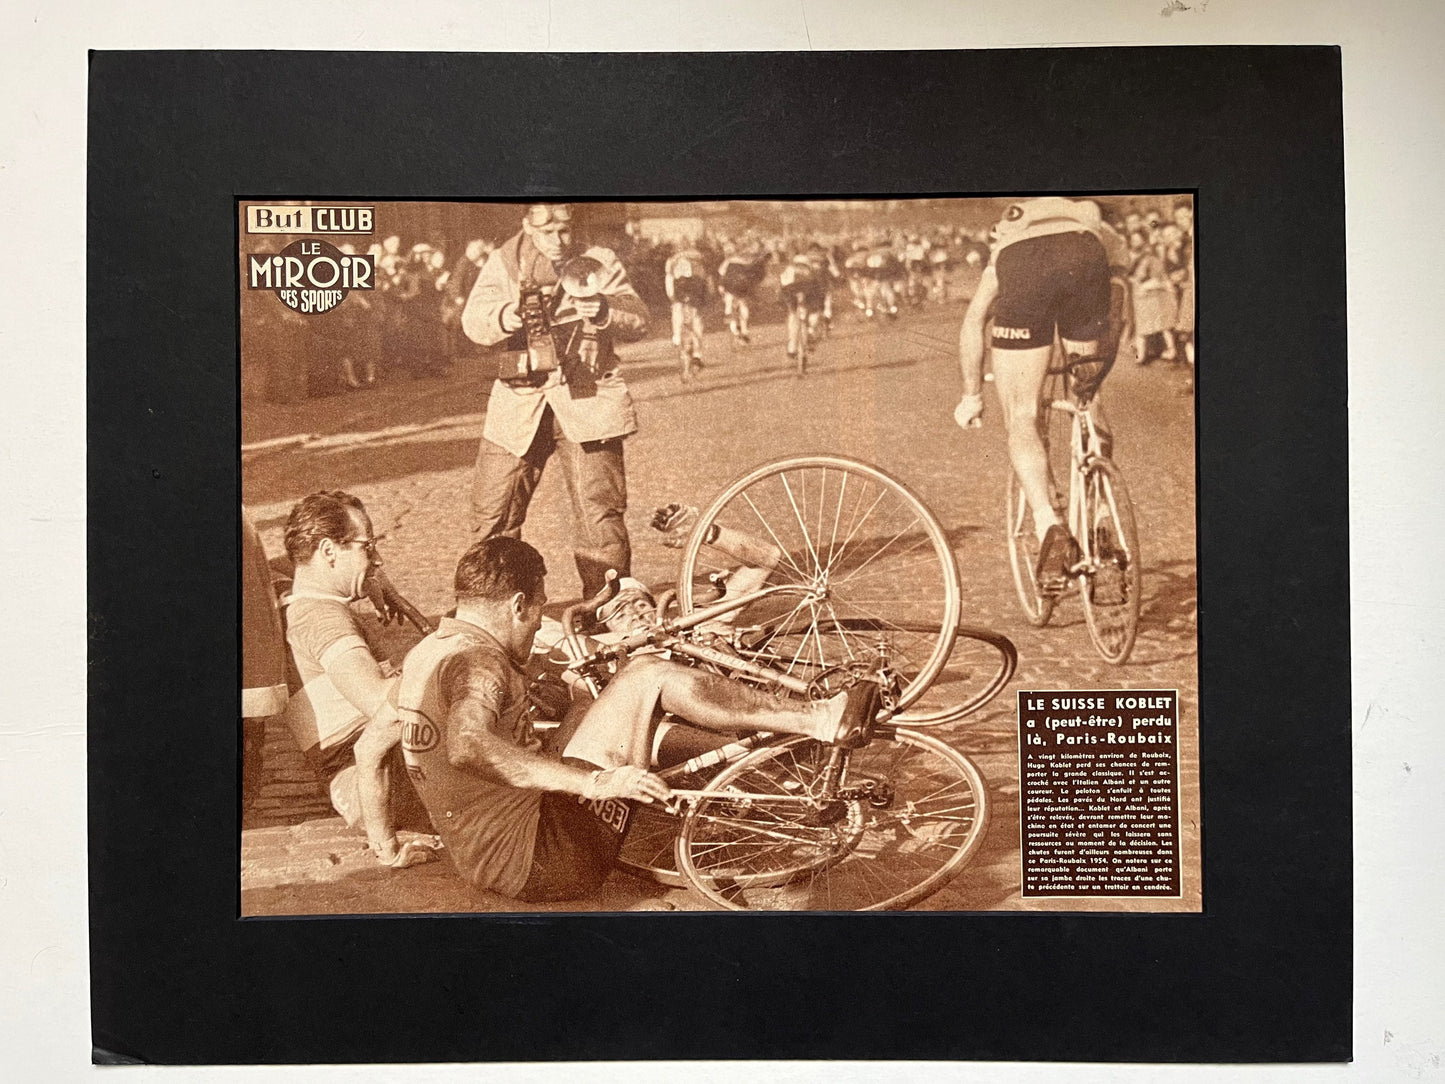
x: 344, y: 714
x: 565, y: 398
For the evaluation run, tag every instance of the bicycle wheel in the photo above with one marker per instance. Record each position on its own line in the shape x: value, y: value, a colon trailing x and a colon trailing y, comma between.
x: 1056, y: 432
x: 1111, y: 590
x: 979, y: 665
x: 910, y: 813
x: 650, y: 849
x: 875, y: 571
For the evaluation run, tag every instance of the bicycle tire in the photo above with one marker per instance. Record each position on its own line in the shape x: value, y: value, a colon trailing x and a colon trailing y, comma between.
x: 742, y: 849
x: 650, y: 849
x: 812, y: 510
x: 980, y: 665
x: 1109, y: 517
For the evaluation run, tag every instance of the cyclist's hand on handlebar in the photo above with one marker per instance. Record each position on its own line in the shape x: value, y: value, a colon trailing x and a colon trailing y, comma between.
x: 626, y: 782
x: 969, y: 412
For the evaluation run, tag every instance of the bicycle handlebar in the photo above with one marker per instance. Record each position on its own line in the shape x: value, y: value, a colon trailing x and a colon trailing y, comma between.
x: 569, y: 615
x: 664, y: 630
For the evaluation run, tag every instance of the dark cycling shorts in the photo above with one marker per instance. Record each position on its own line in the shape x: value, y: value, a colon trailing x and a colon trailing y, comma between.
x: 1062, y: 281
x: 577, y: 844
x: 689, y: 291
x: 740, y: 282
x: 812, y: 294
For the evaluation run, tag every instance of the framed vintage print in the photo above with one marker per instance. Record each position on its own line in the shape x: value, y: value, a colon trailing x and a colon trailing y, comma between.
x: 689, y: 502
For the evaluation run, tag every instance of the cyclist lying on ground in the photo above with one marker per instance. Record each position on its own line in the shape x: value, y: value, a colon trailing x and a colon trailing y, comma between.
x: 557, y: 692
x: 543, y: 821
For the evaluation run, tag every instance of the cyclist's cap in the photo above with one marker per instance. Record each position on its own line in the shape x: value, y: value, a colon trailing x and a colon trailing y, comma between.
x: 544, y: 214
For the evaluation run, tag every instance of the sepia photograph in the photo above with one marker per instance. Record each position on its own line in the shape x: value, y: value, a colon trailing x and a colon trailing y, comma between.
x: 779, y: 555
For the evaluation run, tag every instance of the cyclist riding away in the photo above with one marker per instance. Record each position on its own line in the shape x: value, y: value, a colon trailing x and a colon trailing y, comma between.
x: 739, y: 274
x: 1047, y: 273
x: 686, y: 283
x: 805, y: 292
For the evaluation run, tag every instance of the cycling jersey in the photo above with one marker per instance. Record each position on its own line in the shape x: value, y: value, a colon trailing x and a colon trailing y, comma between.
x: 1044, y: 216
x: 686, y: 278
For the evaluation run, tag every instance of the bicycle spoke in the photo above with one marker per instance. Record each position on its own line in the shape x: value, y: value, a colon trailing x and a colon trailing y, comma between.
x: 922, y: 541
x: 868, y: 550
x: 798, y: 515
x: 803, y: 577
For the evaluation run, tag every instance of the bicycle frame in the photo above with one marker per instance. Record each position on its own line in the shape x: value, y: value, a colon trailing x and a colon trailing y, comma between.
x: 1099, y: 517
x: 666, y: 635
x: 1084, y: 450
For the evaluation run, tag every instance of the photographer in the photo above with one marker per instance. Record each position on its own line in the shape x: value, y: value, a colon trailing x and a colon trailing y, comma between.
x: 557, y: 388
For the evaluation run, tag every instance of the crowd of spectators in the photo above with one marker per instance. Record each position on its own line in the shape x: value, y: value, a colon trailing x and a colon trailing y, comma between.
x: 408, y: 326
x: 1160, y: 270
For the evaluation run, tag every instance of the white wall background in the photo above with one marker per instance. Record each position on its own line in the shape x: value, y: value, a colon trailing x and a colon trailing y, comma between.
x: 1394, y: 93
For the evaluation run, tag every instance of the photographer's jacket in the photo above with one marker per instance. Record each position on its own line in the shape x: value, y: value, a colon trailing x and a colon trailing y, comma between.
x: 588, y: 408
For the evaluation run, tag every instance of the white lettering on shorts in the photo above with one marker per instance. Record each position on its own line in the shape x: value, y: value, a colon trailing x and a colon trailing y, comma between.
x: 609, y: 811
x: 1011, y: 332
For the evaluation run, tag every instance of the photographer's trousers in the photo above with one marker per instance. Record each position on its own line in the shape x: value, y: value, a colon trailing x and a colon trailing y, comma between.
x: 503, y: 484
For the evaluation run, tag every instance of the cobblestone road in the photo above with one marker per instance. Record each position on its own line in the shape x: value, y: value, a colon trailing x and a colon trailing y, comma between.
x: 880, y: 392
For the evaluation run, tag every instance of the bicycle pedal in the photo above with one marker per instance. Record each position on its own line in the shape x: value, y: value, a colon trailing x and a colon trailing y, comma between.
x: 1053, y: 586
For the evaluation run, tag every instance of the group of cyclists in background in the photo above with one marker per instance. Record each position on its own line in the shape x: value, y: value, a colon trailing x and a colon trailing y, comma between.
x: 882, y: 270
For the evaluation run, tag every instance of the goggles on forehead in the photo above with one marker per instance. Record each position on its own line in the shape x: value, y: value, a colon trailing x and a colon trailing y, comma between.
x: 544, y: 214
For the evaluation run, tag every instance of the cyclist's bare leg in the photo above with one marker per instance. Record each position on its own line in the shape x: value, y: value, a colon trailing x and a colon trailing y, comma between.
x: 695, y: 312
x: 617, y: 728
x: 743, y: 314
x: 677, y: 323
x: 1018, y: 378
x: 794, y: 326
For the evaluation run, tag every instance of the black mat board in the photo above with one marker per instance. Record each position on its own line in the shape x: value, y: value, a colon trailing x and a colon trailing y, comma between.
x: 175, y: 138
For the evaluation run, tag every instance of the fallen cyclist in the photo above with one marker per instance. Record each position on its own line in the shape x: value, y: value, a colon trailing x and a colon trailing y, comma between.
x: 544, y: 820
x: 343, y: 715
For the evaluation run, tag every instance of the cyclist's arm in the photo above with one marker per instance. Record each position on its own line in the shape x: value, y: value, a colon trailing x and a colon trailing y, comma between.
x: 971, y: 335
x: 472, y: 746
x: 358, y: 677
